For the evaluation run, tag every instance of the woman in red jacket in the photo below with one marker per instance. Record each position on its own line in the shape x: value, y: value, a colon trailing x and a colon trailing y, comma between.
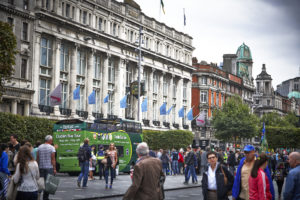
x: 180, y: 161
x: 259, y: 187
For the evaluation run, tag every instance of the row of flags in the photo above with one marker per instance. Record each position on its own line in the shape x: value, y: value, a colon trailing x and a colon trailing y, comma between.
x: 162, y: 5
x: 56, y: 99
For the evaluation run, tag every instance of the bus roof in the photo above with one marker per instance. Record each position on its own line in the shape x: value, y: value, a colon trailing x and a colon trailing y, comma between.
x: 70, y: 121
x: 114, y: 121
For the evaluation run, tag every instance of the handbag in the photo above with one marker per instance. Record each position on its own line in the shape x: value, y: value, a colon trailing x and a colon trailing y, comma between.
x: 12, y: 190
x: 104, y: 161
x: 51, y: 184
x: 229, y: 193
x: 40, y: 182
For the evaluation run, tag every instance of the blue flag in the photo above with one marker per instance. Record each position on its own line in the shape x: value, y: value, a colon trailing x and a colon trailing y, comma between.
x: 92, y: 98
x: 76, y: 93
x: 263, y: 132
x: 145, y: 105
x: 123, y: 103
x: 190, y: 115
x: 106, y: 99
x: 168, y: 112
x: 181, y: 112
x: 163, y: 109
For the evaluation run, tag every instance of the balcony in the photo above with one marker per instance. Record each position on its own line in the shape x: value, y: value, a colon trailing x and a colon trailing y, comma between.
x: 46, y: 109
x: 156, y: 123
x: 146, y: 122
x: 166, y: 124
x: 112, y: 116
x: 65, y: 111
x: 175, y: 125
x: 83, y: 114
x: 97, y: 115
x: 186, y: 126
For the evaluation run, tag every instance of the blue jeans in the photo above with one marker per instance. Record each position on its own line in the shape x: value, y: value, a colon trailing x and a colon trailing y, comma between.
x: 165, y: 168
x: 112, y: 172
x: 44, y: 173
x: 175, y: 167
x: 84, y: 172
x: 190, y: 170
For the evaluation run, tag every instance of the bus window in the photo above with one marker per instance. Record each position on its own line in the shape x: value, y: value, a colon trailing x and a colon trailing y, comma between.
x: 111, y: 127
x: 138, y: 128
x: 120, y: 151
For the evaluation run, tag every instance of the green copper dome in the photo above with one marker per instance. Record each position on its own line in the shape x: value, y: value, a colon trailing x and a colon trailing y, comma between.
x: 243, y: 52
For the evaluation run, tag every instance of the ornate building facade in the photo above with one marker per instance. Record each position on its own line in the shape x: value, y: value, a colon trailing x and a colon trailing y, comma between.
x: 212, y: 85
x: 92, y: 44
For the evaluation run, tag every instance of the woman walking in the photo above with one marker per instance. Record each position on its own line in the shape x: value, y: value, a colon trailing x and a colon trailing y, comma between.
x: 113, y: 157
x: 217, y: 181
x: 259, y: 186
x: 27, y: 174
x: 4, y: 172
x: 280, y: 173
x: 93, y: 163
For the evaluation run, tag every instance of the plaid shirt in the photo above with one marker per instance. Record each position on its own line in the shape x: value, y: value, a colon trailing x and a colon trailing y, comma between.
x: 45, y: 151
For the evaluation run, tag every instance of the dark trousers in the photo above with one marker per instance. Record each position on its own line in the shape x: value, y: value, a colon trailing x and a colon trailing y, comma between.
x: 44, y: 173
x: 112, y: 170
x: 84, y: 173
x: 101, y: 169
x: 279, y: 186
x: 27, y: 195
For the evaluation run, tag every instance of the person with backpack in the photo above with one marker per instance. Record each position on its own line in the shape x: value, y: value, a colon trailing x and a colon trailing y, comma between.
x: 174, y: 158
x: 100, y: 157
x: 84, y: 158
x: 165, y: 162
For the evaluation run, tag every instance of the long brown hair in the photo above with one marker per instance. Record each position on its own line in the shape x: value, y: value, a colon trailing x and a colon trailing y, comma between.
x: 24, y: 156
x: 258, y: 163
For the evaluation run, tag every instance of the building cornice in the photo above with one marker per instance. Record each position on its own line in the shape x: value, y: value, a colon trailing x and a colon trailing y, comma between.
x: 16, y: 11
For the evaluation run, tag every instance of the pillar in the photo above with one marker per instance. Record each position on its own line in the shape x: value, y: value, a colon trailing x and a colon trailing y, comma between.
x: 35, y: 73
x: 89, y: 83
x: 56, y: 70
x: 14, y: 105
x: 150, y: 97
x: 170, y: 99
x: 179, y: 100
x: 104, y: 83
x: 72, y: 81
x: 26, y: 108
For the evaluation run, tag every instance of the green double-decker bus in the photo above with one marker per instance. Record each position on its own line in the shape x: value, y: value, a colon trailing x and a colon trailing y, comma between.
x: 69, y: 135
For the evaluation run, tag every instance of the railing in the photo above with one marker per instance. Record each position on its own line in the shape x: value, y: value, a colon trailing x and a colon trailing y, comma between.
x: 175, y: 125
x: 166, y: 124
x: 112, y: 116
x: 156, y: 123
x: 46, y: 109
x: 83, y: 114
x: 97, y: 115
x: 65, y: 111
x: 186, y: 126
x: 146, y: 122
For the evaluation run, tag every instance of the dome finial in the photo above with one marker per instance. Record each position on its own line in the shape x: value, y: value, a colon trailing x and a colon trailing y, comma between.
x: 264, y: 67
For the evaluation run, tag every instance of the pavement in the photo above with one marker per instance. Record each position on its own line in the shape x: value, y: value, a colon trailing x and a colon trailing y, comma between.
x: 68, y: 189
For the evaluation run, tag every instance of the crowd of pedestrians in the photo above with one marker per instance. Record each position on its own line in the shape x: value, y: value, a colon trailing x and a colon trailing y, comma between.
x: 23, y: 165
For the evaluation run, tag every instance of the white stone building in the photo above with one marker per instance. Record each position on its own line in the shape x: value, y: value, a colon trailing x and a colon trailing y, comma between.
x: 92, y: 43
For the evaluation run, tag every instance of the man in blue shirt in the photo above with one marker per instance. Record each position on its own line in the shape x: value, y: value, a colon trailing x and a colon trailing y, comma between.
x: 84, y: 158
x: 292, y: 184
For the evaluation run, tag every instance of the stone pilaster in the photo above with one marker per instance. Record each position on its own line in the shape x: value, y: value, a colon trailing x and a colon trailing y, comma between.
x: 121, y: 88
x: 26, y: 108
x: 89, y: 82
x: 72, y: 81
x: 179, y: 100
x: 35, y: 73
x: 150, y: 97
x: 104, y: 83
x: 14, y: 106
x: 170, y: 99
x: 160, y: 97
x: 56, y: 71
x: 189, y: 103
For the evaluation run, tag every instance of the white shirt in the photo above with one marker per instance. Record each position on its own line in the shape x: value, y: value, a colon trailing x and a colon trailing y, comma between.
x: 45, y: 151
x: 211, y: 177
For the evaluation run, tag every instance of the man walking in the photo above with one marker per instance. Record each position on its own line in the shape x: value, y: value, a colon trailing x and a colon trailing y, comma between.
x: 46, y: 159
x: 84, y: 158
x: 231, y: 161
x: 146, y: 177
x: 175, y: 162
x: 240, y: 188
x: 292, y: 189
x: 198, y: 156
x: 189, y: 166
x: 204, y: 159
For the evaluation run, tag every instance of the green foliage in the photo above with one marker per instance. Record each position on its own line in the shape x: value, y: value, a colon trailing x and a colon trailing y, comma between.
x: 8, y: 44
x: 27, y: 128
x: 234, y: 120
x: 283, y: 137
x: 167, y: 139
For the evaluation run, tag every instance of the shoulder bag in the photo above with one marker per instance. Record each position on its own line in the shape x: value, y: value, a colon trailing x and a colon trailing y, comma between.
x: 51, y: 184
x: 229, y: 193
x: 40, y: 183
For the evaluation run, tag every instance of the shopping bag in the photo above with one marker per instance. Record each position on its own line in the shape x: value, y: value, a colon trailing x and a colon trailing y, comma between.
x: 51, y: 184
x: 12, y: 190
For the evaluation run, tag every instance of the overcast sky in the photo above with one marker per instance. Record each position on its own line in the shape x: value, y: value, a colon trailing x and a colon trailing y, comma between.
x: 271, y: 28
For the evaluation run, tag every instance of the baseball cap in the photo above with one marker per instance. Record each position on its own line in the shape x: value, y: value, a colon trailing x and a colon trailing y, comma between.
x: 249, y: 148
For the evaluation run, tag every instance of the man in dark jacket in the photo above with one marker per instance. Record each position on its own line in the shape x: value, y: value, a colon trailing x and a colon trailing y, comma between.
x: 198, y: 156
x: 231, y: 161
x: 189, y: 165
x: 217, y: 181
x: 84, y: 162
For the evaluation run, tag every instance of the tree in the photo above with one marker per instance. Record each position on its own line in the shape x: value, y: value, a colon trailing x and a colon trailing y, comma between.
x: 274, y: 119
x: 8, y: 44
x: 234, y: 120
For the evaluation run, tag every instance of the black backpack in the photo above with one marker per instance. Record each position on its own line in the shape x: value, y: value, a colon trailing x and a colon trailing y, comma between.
x: 175, y: 155
x: 82, y: 154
